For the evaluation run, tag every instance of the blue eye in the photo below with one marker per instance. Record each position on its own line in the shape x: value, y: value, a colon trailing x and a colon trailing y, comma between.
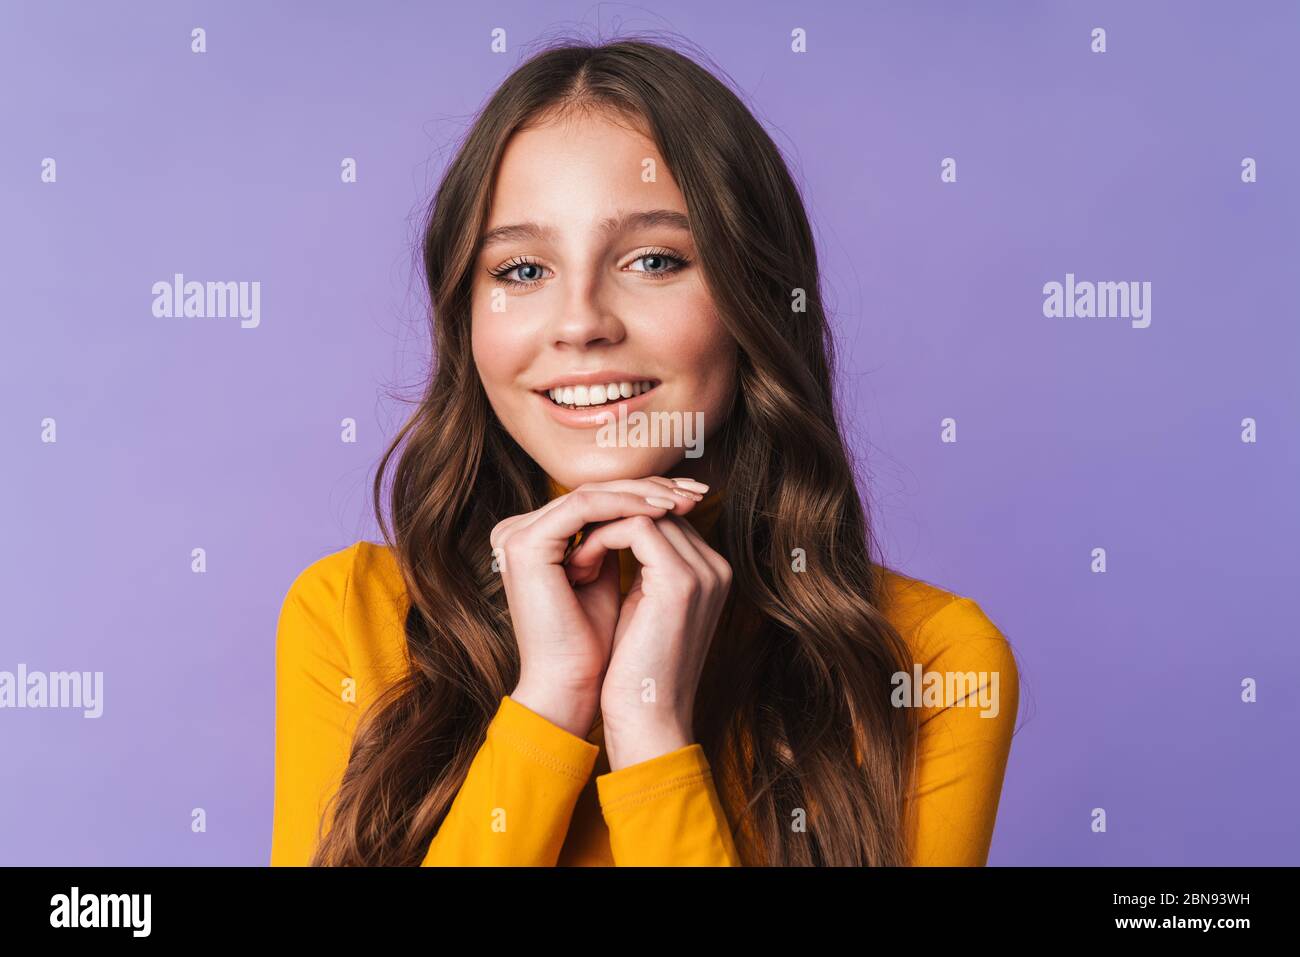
x: 663, y: 257
x: 665, y: 264
x: 502, y: 273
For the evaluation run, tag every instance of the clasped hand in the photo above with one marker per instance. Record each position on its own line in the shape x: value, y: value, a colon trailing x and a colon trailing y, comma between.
x: 582, y: 647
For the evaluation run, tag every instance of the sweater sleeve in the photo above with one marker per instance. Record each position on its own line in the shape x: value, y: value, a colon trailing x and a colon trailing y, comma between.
x: 965, y: 738
x: 665, y: 811
x: 517, y: 800
x: 315, y: 713
x: 519, y: 794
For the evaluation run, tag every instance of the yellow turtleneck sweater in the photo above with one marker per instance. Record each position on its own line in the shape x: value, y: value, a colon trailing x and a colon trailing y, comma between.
x: 531, y: 798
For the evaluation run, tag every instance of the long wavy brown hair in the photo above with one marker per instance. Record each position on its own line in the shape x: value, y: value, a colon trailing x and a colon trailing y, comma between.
x: 793, y: 707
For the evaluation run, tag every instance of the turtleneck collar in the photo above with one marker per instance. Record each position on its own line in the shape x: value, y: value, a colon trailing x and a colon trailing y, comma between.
x: 703, y: 517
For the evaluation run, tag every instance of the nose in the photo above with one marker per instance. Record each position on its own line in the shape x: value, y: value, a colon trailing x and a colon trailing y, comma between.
x: 585, y: 319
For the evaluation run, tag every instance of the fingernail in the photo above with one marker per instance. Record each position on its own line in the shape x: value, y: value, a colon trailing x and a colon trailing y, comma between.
x: 687, y: 494
x: 661, y: 502
x: 691, y: 484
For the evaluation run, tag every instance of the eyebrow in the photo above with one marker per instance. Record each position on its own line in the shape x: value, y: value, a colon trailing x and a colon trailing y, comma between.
x: 642, y: 219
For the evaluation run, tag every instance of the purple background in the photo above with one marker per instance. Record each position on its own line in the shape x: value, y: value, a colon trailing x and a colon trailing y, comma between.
x: 176, y: 433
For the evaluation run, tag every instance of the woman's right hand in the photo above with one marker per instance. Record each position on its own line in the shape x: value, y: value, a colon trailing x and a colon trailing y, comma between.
x: 565, y: 631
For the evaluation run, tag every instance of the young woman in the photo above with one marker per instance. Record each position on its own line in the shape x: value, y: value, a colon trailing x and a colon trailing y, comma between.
x: 580, y: 648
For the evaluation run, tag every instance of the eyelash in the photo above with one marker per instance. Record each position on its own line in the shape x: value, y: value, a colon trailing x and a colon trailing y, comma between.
x: 501, y: 272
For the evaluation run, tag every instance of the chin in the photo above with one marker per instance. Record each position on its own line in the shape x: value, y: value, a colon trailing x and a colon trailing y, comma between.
x: 609, y: 465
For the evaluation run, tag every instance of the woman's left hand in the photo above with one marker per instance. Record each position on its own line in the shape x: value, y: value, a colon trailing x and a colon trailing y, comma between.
x: 664, y: 630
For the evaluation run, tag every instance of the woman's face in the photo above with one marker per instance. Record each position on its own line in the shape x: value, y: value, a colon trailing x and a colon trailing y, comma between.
x: 589, y: 279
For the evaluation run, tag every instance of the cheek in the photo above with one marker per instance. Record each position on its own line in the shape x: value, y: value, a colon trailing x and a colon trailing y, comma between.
x: 718, y: 390
x: 698, y: 346
x: 497, y: 353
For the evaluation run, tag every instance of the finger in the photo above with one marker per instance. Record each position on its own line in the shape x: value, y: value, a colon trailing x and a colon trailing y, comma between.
x: 693, y: 549
x: 601, y: 596
x: 675, y: 530
x: 683, y: 487
x: 639, y: 533
x: 650, y: 486
x: 518, y: 522
x: 720, y: 566
x: 499, y: 531
x: 588, y: 506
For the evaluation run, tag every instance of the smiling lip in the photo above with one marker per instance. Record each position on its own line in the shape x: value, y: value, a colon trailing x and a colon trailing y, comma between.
x: 585, y: 417
x: 595, y: 377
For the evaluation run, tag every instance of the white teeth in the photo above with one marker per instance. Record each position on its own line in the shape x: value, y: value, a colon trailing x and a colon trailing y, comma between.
x: 583, y: 396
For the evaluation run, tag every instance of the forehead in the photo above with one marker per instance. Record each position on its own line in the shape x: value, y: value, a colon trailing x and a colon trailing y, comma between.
x: 580, y: 170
